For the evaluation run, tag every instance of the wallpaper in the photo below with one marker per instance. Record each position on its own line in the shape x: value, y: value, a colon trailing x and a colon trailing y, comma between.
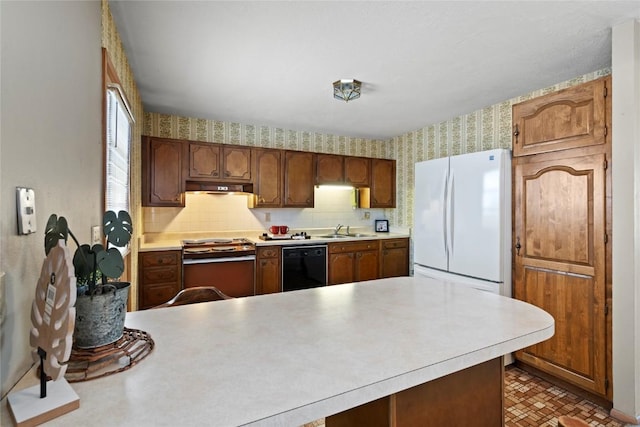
x: 480, y: 130
x: 195, y: 129
x: 112, y: 42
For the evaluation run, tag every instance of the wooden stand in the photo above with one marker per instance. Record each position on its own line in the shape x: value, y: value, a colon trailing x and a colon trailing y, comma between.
x: 28, y: 409
x: 473, y: 397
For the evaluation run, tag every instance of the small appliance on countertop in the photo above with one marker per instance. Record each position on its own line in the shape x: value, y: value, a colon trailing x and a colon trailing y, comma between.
x: 287, y: 236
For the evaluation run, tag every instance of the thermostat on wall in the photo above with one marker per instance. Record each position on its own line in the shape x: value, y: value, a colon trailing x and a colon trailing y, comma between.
x: 26, y: 203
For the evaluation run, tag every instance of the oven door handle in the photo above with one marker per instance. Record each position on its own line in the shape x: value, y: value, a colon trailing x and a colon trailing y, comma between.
x: 223, y: 259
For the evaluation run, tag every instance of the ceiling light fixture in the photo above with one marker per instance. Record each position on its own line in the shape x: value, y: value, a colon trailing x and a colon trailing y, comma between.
x: 346, y: 89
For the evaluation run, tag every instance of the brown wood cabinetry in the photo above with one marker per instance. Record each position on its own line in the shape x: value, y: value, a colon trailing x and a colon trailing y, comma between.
x: 561, y: 244
x: 570, y: 118
x: 217, y: 162
x: 329, y: 169
x: 162, y: 172
x: 383, y: 183
x: 204, y: 160
x: 299, y: 177
x: 159, y: 277
x: 353, y: 261
x: 267, y: 184
x: 394, y: 258
x: 345, y: 170
x: 357, y: 171
x: 268, y: 269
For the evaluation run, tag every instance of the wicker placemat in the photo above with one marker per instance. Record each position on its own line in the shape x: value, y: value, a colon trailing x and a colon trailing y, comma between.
x: 88, y: 364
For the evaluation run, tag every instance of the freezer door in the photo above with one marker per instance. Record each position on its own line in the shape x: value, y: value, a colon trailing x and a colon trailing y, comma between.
x: 429, y: 213
x: 478, y: 183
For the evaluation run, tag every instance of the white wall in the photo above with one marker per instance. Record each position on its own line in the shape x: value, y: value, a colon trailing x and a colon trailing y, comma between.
x: 51, y: 141
x: 626, y: 218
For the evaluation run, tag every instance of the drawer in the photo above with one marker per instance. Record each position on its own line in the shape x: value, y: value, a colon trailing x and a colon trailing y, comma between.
x: 151, y: 259
x: 153, y: 295
x: 160, y: 274
x: 268, y: 252
x: 395, y: 243
x: 369, y: 245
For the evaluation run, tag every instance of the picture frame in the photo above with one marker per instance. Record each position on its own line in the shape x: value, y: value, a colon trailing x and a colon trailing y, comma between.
x: 382, y: 226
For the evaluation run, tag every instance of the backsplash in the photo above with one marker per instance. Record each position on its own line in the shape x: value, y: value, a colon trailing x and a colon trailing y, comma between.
x: 216, y: 212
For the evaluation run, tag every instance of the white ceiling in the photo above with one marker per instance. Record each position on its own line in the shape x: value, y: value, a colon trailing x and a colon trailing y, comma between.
x: 272, y: 63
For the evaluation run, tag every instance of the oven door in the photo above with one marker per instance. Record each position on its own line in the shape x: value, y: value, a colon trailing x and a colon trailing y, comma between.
x: 234, y: 276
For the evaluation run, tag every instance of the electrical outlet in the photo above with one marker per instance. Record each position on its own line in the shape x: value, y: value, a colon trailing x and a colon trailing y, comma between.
x: 267, y: 217
x: 367, y: 215
x: 96, y: 238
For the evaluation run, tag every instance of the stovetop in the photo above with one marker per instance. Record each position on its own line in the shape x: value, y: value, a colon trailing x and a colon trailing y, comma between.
x: 217, y: 247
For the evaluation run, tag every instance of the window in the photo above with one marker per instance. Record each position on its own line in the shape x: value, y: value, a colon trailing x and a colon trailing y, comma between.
x: 118, y: 140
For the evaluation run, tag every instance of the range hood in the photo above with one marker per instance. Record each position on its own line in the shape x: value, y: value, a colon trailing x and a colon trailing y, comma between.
x: 218, y: 188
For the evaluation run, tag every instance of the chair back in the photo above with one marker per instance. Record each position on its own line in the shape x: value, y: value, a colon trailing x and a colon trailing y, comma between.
x: 195, y: 295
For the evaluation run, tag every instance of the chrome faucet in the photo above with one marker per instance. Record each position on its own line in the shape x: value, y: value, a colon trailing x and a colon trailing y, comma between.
x: 337, y: 229
x: 348, y: 230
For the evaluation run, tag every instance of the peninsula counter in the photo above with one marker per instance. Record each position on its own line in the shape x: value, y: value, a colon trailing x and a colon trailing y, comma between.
x: 290, y: 358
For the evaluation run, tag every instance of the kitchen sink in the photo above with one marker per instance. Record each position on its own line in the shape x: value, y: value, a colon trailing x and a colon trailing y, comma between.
x: 333, y: 236
x: 360, y: 235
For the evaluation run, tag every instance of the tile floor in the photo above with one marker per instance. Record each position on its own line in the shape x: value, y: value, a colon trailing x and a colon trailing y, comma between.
x: 533, y: 402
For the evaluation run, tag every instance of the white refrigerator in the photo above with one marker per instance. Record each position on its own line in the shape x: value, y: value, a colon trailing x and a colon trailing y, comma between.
x: 462, y: 220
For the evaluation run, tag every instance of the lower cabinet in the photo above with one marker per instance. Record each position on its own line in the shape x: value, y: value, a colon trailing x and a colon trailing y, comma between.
x: 353, y: 261
x: 268, y: 269
x: 159, y: 277
x: 394, y: 258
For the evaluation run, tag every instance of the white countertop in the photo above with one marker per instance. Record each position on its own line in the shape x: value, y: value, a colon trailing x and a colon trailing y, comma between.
x: 286, y: 359
x: 167, y: 242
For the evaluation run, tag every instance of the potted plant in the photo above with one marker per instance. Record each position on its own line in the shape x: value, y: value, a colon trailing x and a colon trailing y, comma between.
x: 101, y: 303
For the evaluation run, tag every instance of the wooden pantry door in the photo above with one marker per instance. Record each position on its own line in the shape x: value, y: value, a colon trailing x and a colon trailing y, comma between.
x: 559, y: 254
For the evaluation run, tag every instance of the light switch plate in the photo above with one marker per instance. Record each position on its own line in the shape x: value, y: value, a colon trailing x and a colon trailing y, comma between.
x: 26, y: 205
x: 96, y: 238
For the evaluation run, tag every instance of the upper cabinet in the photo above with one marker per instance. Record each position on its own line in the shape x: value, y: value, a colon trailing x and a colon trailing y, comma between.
x: 330, y: 169
x: 383, y: 183
x: 267, y: 184
x: 357, y: 171
x: 280, y: 178
x: 217, y: 162
x: 345, y: 170
x: 299, y: 176
x: 570, y: 118
x: 162, y: 172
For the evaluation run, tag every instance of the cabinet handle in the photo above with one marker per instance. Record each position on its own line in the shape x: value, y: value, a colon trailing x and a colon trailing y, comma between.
x: 518, y: 246
x: 516, y: 132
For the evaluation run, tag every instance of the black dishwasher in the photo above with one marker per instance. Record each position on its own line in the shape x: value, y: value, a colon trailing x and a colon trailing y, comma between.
x: 304, y: 267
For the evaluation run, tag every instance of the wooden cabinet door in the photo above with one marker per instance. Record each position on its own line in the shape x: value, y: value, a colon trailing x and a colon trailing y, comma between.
x: 366, y: 265
x: 329, y: 169
x: 357, y: 171
x: 159, y: 277
x: 267, y: 184
x: 570, y: 118
x: 383, y: 183
x: 162, y: 174
x: 204, y: 160
x: 299, y: 176
x: 268, y: 270
x: 341, y: 268
x: 559, y: 257
x: 394, y: 258
x: 236, y: 163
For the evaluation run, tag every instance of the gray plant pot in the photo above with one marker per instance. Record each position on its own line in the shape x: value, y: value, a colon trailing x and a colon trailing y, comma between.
x: 100, y: 318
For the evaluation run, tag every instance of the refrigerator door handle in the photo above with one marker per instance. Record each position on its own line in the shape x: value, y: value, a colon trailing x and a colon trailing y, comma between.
x: 449, y: 214
x: 445, y: 192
